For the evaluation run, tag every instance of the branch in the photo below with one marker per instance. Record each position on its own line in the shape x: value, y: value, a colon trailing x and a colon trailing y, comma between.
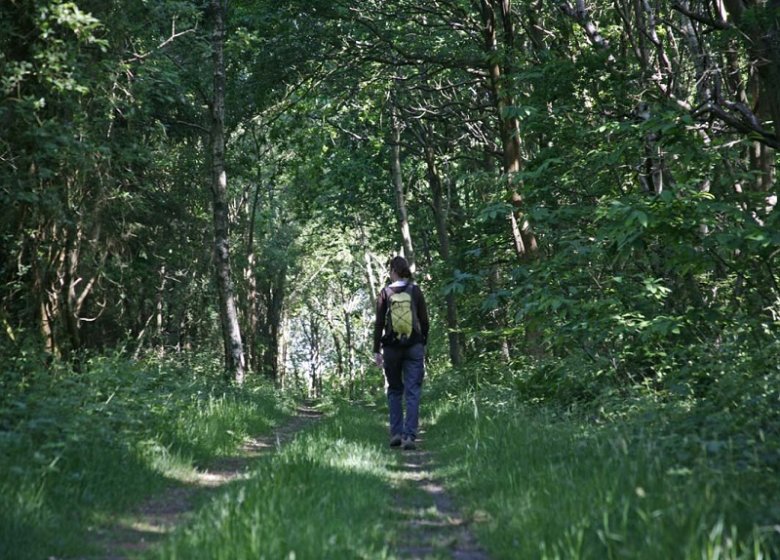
x: 580, y: 15
x: 140, y: 57
x: 407, y: 56
x: 193, y: 125
x: 748, y: 124
x: 700, y: 18
x: 102, y: 307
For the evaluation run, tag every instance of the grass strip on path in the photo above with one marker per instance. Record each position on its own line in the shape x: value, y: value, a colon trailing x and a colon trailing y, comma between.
x: 161, y: 514
x: 324, y: 495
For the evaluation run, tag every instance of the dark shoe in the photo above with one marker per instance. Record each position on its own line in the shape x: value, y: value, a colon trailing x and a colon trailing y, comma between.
x: 395, y: 440
x: 408, y: 444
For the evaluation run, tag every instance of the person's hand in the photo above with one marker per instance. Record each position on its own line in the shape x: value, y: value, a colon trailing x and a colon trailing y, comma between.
x: 378, y: 359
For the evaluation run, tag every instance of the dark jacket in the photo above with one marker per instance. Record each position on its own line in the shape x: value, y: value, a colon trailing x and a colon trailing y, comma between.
x: 418, y: 300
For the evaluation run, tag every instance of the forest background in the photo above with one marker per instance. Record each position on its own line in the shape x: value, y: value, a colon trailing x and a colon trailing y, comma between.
x: 586, y: 189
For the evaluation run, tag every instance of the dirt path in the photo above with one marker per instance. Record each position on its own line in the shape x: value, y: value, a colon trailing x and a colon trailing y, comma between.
x: 158, y: 516
x: 433, y: 527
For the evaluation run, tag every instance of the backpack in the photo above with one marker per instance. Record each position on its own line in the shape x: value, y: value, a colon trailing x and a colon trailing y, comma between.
x: 401, y: 319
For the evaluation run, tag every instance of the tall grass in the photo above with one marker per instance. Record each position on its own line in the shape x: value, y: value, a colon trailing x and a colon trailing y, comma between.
x: 325, y: 495
x: 543, y: 483
x: 75, y: 447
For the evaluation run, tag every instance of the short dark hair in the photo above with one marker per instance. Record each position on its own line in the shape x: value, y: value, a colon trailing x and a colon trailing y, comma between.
x: 401, y: 267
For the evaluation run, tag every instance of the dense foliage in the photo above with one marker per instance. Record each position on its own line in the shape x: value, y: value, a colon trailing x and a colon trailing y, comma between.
x: 578, y: 179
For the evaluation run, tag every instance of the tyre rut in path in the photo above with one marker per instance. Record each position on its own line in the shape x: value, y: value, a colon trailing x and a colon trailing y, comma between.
x: 431, y: 525
x: 160, y: 515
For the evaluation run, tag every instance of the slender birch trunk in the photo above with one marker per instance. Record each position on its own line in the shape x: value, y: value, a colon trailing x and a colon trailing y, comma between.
x: 398, y: 187
x: 231, y: 331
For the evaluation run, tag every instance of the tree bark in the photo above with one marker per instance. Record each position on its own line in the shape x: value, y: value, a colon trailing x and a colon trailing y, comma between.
x: 231, y: 331
x: 370, y: 277
x: 440, y: 214
x: 398, y: 188
x: 284, y: 337
x: 763, y: 34
x: 250, y: 278
x: 579, y: 13
x: 523, y: 238
x: 350, y: 353
x: 274, y: 314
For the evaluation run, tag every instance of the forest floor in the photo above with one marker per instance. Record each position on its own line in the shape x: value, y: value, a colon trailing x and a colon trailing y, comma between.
x: 158, y: 516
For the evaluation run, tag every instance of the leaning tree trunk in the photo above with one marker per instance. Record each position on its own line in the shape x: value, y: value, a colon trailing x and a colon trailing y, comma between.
x: 231, y: 331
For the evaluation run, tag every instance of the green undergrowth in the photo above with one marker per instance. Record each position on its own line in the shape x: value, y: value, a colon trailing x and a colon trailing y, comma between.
x: 635, y: 477
x: 78, y: 447
x: 326, y: 494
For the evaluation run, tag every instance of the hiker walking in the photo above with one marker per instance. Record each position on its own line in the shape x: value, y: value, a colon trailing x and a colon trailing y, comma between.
x: 401, y: 329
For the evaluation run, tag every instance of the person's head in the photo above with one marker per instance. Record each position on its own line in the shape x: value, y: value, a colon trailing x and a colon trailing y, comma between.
x: 401, y: 268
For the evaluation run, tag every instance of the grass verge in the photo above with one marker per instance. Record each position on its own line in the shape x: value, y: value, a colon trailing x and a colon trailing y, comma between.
x: 544, y: 483
x: 76, y: 448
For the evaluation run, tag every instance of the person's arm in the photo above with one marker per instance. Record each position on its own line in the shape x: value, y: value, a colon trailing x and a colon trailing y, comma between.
x: 379, y: 326
x: 422, y: 315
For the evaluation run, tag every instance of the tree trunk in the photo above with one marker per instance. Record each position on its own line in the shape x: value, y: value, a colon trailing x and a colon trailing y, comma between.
x: 284, y: 338
x: 251, y: 310
x: 315, y: 358
x: 762, y: 34
x: 339, y: 354
x: 350, y: 353
x: 348, y: 342
x: 231, y: 331
x: 68, y: 286
x: 274, y: 332
x: 273, y: 286
x: 398, y: 187
x: 767, y: 99
x: 497, y: 320
x: 524, y: 240
x: 764, y: 47
x: 498, y: 316
x: 440, y: 213
x: 251, y: 282
x: 373, y: 289
x: 45, y: 290
x: 160, y: 314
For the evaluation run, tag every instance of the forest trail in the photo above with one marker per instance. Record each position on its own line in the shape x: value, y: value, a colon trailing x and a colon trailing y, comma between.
x: 160, y: 515
x: 429, y: 524
x: 432, y: 525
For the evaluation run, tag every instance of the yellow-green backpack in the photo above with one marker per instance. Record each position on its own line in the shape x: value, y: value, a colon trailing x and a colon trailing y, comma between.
x: 401, y: 315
